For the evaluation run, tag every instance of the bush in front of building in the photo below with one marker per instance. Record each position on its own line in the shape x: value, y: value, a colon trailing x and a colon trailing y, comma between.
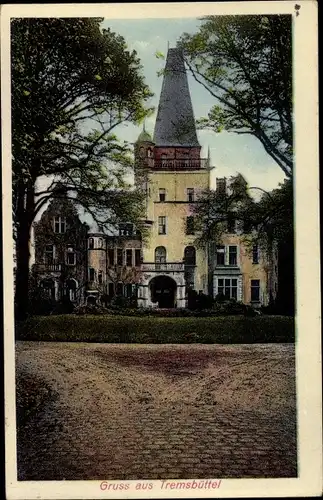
x: 158, y: 330
x: 40, y: 304
x: 198, y: 301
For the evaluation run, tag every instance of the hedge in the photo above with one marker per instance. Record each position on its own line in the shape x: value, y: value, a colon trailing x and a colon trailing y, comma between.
x: 146, y: 330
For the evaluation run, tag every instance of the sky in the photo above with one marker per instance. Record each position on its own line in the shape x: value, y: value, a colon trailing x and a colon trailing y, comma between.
x: 230, y: 153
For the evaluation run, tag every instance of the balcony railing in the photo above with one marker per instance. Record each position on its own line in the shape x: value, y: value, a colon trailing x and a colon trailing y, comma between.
x: 48, y: 267
x: 162, y: 266
x: 180, y: 164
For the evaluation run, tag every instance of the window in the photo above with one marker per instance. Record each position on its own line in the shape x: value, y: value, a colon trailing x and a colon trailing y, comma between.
x: 59, y: 224
x: 232, y: 255
x: 160, y: 255
x: 111, y: 256
x: 129, y: 257
x: 100, y: 242
x: 220, y: 255
x: 49, y: 254
x: 137, y: 257
x: 70, y: 256
x: 119, y: 257
x: 162, y: 225
x: 190, y: 225
x: 162, y: 194
x: 190, y: 194
x: 128, y: 290
x: 231, y: 225
x: 255, y: 254
x: 100, y: 277
x: 255, y: 290
x: 91, y: 274
x: 228, y: 287
x: 190, y: 256
x: 91, y: 243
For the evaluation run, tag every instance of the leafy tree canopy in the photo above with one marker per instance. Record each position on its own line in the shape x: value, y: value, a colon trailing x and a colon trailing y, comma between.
x: 72, y: 84
x: 265, y: 221
x: 245, y: 62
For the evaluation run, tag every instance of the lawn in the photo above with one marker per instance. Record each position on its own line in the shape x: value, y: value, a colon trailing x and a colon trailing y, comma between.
x: 148, y: 330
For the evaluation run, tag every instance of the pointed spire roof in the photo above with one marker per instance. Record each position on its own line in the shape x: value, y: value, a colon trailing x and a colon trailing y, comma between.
x: 175, y: 123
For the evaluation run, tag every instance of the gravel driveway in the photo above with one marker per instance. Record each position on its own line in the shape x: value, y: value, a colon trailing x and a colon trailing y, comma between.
x: 125, y: 411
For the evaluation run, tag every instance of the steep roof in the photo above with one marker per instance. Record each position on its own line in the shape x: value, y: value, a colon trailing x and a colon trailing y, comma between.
x: 175, y: 123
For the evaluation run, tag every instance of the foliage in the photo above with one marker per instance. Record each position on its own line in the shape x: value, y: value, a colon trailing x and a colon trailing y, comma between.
x: 68, y: 76
x: 216, y: 209
x: 72, y: 85
x: 198, y: 301
x: 115, y: 329
x: 264, y: 221
x: 121, y: 302
x: 273, y: 214
x: 245, y: 63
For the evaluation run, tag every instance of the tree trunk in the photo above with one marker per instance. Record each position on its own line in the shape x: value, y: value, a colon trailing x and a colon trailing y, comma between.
x: 24, y: 219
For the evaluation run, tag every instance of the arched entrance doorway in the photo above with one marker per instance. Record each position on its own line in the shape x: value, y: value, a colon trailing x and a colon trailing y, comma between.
x: 163, y: 291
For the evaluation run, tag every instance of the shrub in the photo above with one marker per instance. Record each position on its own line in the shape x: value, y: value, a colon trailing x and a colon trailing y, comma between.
x: 90, y: 309
x: 123, y: 302
x: 158, y: 330
x: 198, y: 300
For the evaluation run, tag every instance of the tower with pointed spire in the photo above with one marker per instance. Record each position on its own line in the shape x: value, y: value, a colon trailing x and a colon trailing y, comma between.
x: 174, y: 174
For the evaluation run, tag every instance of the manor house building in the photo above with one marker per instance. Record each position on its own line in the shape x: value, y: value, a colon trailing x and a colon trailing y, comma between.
x: 170, y: 169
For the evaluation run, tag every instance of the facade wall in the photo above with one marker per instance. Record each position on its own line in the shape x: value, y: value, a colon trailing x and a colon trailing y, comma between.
x: 246, y: 270
x: 58, y: 234
x: 176, y: 209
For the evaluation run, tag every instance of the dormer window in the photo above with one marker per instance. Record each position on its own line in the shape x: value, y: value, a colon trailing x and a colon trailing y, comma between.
x: 59, y: 224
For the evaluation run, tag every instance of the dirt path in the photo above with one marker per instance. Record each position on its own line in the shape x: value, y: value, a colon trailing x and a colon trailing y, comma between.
x: 159, y: 411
